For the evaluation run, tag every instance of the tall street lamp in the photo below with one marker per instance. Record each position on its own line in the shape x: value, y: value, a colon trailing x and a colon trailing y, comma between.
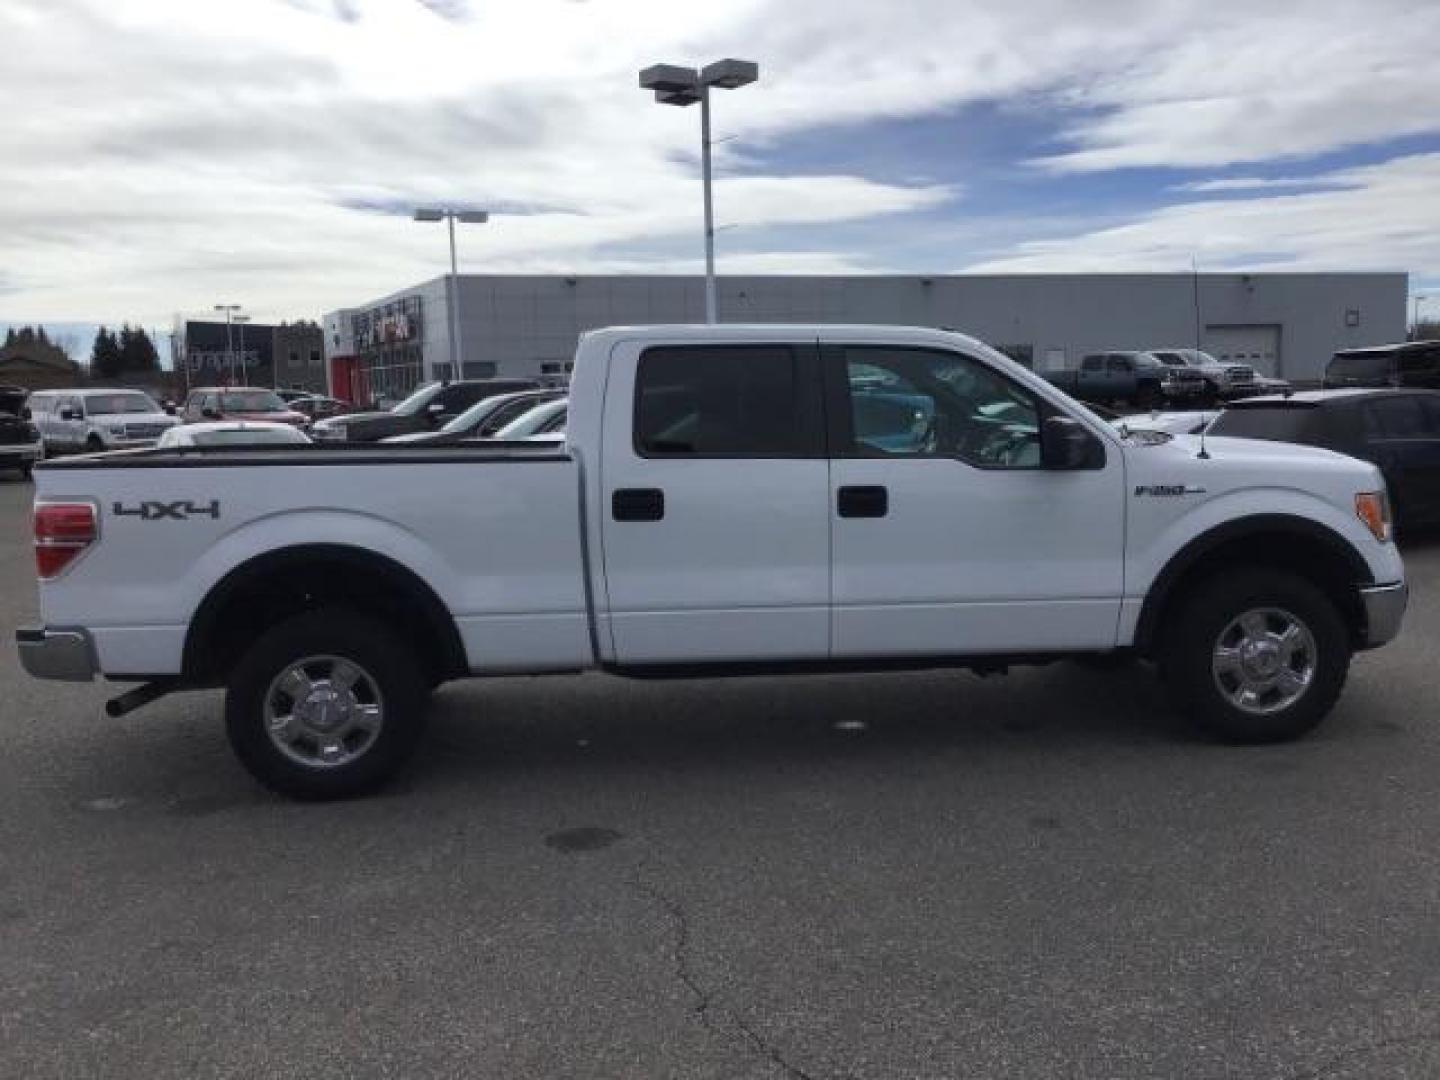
x: 229, y: 310
x: 240, y: 321
x: 676, y: 85
x: 450, y: 216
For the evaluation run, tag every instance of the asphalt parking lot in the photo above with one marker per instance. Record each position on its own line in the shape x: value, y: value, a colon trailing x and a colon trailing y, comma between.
x: 929, y: 875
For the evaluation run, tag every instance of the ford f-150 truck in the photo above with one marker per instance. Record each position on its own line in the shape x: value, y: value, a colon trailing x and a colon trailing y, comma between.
x: 728, y: 499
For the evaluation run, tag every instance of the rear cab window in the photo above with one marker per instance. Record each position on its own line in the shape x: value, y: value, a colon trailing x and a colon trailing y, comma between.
x: 726, y: 401
x: 1361, y: 365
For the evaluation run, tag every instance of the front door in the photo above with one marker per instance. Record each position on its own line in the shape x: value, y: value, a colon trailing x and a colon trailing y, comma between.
x: 716, y: 532
x: 948, y: 536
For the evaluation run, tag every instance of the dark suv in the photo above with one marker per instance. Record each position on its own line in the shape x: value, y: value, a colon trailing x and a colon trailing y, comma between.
x: 1397, y: 430
x: 20, y: 445
x: 1410, y: 363
x: 427, y: 409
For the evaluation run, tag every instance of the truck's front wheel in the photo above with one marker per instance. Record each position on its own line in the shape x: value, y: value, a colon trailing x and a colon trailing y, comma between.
x: 326, y: 705
x: 1255, y: 656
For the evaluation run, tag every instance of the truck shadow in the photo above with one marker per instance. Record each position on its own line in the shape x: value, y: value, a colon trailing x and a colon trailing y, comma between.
x: 597, y: 722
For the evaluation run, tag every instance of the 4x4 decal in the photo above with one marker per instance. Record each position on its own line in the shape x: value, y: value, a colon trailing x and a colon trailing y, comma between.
x: 168, y: 511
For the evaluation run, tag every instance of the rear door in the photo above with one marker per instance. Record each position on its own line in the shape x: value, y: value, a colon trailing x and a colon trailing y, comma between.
x: 1403, y: 432
x: 948, y: 537
x: 715, y: 528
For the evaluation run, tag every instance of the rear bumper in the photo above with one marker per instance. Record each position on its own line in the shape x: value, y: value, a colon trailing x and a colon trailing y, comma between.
x: 64, y: 655
x: 1384, y: 612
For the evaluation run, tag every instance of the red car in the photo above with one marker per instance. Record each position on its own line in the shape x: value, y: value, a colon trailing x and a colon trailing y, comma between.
x: 239, y: 403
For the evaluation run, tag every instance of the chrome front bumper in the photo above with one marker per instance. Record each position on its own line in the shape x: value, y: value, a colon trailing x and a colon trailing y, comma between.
x: 1384, y: 612
x: 66, y: 655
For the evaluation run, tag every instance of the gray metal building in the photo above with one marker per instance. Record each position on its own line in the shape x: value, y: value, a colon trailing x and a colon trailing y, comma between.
x: 1285, y: 324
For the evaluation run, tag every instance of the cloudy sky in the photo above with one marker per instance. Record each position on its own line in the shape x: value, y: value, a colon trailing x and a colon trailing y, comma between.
x: 164, y: 155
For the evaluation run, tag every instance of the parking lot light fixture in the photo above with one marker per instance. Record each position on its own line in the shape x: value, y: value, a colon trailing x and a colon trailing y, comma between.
x: 450, y: 216
x: 229, y: 310
x: 674, y: 84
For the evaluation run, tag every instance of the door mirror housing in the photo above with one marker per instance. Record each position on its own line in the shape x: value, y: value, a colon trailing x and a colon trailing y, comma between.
x: 26, y: 414
x: 69, y: 414
x: 210, y: 414
x: 1065, y: 444
x: 169, y: 408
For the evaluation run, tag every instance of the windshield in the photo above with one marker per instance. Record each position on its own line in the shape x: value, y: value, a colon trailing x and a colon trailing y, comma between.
x: 1360, y: 366
x: 418, y: 400
x: 251, y: 437
x: 1278, y: 423
x: 472, y: 416
x: 533, y: 421
x: 108, y: 404
x: 251, y: 401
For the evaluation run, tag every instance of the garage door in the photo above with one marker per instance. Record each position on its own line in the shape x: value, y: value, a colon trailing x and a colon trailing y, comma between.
x: 1257, y: 345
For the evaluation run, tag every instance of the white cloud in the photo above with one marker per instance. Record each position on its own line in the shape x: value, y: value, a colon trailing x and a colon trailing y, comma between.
x: 1253, y: 183
x: 1379, y: 217
x: 161, y: 154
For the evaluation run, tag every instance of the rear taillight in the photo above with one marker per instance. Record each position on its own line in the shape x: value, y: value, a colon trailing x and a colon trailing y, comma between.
x: 62, y: 533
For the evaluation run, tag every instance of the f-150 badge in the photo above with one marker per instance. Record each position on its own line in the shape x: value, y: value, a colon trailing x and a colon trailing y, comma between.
x: 1167, y: 491
x: 169, y: 511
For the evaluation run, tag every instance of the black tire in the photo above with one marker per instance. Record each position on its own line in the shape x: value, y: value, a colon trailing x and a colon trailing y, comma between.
x: 1196, y: 624
x: 392, y: 671
x: 93, y: 445
x: 1148, y: 397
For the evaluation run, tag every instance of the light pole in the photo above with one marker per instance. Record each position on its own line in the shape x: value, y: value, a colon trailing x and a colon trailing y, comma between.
x: 1418, y: 299
x: 229, y: 310
x: 676, y: 85
x: 450, y: 216
x: 240, y: 321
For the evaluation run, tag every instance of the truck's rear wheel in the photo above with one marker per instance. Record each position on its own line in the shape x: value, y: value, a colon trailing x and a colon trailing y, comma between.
x: 1256, y: 656
x: 1149, y: 397
x: 327, y: 705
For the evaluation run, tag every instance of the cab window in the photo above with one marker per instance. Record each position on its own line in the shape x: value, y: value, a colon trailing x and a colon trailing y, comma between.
x: 905, y: 402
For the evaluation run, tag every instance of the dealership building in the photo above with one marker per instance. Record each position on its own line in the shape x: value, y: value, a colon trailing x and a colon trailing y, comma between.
x: 1284, y: 324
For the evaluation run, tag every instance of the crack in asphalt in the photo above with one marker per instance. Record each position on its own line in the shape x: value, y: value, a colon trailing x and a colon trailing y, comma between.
x: 680, y: 954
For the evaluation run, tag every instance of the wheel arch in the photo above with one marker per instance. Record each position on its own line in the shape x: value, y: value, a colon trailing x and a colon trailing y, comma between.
x: 268, y: 588
x: 1284, y: 541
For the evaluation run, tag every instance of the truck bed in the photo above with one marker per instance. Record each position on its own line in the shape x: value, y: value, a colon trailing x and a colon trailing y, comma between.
x: 502, y: 548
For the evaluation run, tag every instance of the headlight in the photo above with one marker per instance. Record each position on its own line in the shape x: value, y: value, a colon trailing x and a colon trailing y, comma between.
x: 1373, y: 508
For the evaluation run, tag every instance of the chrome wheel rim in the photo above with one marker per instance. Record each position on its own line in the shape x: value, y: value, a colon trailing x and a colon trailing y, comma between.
x: 1264, y: 661
x: 324, y: 712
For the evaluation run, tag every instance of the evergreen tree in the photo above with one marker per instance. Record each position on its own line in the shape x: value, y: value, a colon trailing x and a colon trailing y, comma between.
x: 9, y: 337
x: 105, y: 356
x: 41, y: 338
x: 137, y: 351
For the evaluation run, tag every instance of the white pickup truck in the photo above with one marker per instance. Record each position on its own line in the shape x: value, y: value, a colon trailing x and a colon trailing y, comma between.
x: 729, y: 499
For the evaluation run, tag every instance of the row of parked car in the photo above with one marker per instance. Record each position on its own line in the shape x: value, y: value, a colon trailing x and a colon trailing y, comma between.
x: 1156, y: 378
x: 49, y: 422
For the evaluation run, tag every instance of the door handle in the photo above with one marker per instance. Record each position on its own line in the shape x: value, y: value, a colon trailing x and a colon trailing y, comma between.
x: 637, y: 504
x: 862, y: 502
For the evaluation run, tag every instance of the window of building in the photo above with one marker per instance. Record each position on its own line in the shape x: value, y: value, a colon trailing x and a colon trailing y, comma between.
x: 723, y: 401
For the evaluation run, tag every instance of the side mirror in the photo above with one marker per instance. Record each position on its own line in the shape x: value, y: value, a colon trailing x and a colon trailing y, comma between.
x: 26, y: 414
x: 69, y: 414
x: 210, y: 414
x: 1064, y: 444
x: 169, y: 408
